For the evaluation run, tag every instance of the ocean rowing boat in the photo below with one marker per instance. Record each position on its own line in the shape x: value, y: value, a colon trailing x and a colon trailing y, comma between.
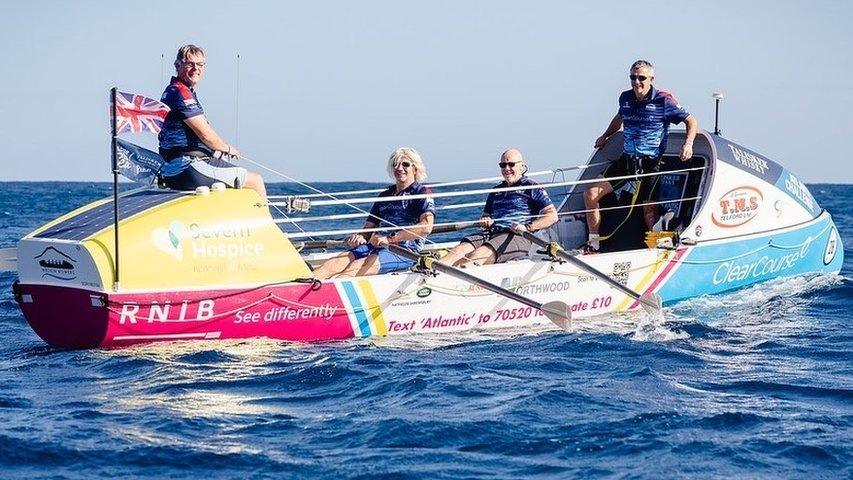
x: 216, y: 264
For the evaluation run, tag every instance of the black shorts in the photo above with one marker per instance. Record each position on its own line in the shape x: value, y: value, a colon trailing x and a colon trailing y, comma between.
x: 636, y: 165
x: 506, y: 245
x: 206, y: 171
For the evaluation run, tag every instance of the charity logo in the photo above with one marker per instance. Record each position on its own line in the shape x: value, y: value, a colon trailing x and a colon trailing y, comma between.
x: 168, y: 240
x: 55, y: 264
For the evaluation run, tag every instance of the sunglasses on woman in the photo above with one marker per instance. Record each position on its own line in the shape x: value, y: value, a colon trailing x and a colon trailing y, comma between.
x: 403, y: 164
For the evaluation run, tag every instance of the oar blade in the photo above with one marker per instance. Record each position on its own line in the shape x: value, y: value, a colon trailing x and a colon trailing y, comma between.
x: 560, y: 314
x: 651, y: 302
x: 8, y: 259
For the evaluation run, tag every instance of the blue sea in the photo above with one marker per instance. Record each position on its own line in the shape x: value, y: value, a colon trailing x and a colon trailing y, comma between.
x: 753, y: 384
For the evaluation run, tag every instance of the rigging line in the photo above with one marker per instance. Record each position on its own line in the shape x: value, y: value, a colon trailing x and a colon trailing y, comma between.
x: 305, y: 234
x: 351, y: 201
x: 446, y: 184
x: 430, y: 185
x: 287, y: 219
x: 345, y: 216
x: 618, y: 207
x: 392, y: 224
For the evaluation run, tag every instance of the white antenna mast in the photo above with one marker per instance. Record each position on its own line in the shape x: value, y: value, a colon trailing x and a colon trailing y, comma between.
x: 237, y: 106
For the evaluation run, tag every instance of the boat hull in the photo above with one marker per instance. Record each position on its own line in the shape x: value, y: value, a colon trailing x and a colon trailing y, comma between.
x: 407, y: 303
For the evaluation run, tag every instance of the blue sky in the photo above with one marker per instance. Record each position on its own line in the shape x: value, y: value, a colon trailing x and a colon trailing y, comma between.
x: 328, y: 89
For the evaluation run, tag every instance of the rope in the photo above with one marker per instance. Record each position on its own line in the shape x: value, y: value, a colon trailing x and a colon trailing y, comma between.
x: 446, y: 184
x: 321, y: 233
x: 345, y: 216
x: 392, y: 224
x: 351, y: 201
x: 770, y: 244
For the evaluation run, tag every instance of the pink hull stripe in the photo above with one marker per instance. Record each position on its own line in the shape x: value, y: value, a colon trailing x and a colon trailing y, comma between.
x: 657, y: 281
x: 294, y: 312
x: 287, y: 312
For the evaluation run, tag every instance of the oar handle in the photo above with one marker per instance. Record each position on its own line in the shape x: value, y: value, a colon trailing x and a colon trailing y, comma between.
x: 432, y: 263
x: 555, y: 250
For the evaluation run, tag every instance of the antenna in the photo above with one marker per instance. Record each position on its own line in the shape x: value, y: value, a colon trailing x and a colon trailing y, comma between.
x: 237, y: 105
x: 162, y: 69
x: 718, y: 97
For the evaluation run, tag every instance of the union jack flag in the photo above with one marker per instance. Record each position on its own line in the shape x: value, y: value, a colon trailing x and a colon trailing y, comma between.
x: 135, y: 113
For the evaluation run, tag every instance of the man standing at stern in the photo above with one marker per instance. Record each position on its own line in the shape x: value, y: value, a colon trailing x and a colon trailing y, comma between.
x: 645, y: 112
x: 194, y: 153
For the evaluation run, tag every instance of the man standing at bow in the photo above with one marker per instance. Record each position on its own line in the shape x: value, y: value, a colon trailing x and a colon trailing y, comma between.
x: 194, y: 153
x: 645, y: 112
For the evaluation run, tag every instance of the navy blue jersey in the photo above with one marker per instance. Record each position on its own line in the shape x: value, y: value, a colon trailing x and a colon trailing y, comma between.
x: 404, y: 212
x: 646, y: 122
x: 516, y: 206
x: 177, y: 135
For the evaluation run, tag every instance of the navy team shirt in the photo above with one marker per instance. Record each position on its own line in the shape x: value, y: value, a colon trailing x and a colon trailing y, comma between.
x: 646, y: 122
x: 516, y: 206
x: 175, y: 134
x: 402, y: 213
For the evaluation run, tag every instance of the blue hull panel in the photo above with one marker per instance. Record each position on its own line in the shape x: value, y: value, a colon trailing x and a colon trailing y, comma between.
x: 737, y: 263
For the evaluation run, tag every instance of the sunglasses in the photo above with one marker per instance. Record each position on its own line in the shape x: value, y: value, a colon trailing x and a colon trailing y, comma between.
x: 403, y: 164
x: 641, y: 78
x: 194, y: 64
x: 508, y: 164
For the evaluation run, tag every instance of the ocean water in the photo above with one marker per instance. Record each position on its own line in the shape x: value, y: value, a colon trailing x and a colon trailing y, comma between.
x: 753, y: 384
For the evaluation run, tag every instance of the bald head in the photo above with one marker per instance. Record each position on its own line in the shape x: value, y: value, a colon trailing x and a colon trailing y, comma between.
x: 512, y: 155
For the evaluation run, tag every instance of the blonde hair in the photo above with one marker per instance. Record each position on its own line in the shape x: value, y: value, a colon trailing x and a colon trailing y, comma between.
x: 412, y: 155
x: 189, y: 49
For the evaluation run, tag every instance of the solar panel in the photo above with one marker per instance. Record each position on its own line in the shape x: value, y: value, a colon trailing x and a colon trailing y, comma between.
x: 87, y: 223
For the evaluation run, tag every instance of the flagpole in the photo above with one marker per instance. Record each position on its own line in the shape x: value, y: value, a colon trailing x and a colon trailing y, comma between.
x: 116, y: 284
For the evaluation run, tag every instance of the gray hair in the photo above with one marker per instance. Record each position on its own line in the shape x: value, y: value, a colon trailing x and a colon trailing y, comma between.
x: 189, y: 49
x: 412, y: 155
x: 641, y: 64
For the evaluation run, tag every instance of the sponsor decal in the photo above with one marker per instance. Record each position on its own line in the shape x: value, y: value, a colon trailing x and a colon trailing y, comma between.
x: 550, y: 287
x: 766, y: 266
x: 57, y: 265
x: 285, y: 313
x: 424, y: 292
x: 621, y: 271
x: 798, y: 189
x: 698, y: 231
x: 167, y: 312
x: 168, y: 240
x: 737, y: 206
x: 749, y: 160
x: 831, y: 247
x: 216, y: 241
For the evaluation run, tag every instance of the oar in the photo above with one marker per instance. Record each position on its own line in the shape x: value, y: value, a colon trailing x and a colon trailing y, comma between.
x: 8, y: 259
x: 558, y: 312
x: 315, y: 244
x: 650, y: 301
